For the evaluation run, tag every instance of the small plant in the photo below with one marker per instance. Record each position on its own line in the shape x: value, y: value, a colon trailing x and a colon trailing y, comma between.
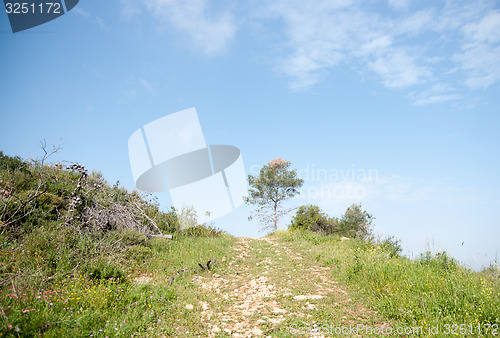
x: 493, y: 270
x: 187, y: 218
x: 102, y: 269
x: 392, y: 245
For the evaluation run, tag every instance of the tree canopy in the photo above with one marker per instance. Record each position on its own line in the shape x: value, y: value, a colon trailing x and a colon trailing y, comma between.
x: 275, y: 183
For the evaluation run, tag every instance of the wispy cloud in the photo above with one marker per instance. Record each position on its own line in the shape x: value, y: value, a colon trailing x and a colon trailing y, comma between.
x: 148, y: 86
x: 480, y: 55
x: 397, y: 69
x: 130, y: 9
x: 318, y: 38
x: 399, y: 4
x: 207, y: 31
x: 411, y: 46
x: 95, y: 18
x: 436, y: 93
x: 134, y: 87
x: 403, y: 44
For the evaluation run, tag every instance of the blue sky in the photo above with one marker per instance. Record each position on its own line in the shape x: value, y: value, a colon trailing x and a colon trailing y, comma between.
x: 403, y: 94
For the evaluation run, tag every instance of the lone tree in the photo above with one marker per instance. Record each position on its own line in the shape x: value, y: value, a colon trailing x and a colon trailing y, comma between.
x: 274, y: 184
x: 356, y: 223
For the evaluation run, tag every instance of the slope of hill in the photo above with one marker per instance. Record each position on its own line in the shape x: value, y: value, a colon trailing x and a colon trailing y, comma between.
x: 81, y: 258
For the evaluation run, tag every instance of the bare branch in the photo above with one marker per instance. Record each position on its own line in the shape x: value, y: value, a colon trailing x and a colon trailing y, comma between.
x: 46, y: 153
x: 148, y: 218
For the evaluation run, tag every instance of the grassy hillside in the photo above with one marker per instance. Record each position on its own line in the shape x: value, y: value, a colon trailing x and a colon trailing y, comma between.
x: 79, y: 257
x: 82, y: 258
x: 429, y: 291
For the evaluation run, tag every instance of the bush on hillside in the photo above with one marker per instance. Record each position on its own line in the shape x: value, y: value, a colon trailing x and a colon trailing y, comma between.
x: 493, y: 270
x: 169, y: 222
x: 391, y: 245
x: 355, y: 223
x: 70, y: 220
x: 32, y: 193
x: 310, y: 217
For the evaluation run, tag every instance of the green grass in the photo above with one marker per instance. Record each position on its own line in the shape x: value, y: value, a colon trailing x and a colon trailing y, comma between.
x: 79, y: 257
x: 132, y: 296
x: 79, y: 306
x: 82, y: 261
x: 432, y: 290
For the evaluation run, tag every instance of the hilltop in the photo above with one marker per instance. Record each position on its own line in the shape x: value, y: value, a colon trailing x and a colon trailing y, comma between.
x: 81, y: 257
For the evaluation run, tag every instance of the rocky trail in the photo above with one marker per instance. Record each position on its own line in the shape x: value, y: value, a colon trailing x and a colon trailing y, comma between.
x: 271, y: 289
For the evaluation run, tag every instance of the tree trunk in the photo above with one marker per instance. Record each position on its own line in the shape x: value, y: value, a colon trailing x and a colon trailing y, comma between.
x: 275, y: 217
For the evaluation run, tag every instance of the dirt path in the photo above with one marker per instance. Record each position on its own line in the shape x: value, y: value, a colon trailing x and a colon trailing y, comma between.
x: 270, y: 289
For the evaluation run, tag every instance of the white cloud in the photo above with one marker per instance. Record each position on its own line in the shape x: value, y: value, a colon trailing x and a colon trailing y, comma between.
x: 325, y: 36
x: 375, y: 46
x: 129, y: 93
x: 416, y: 23
x: 130, y: 9
x: 148, y: 86
x: 80, y: 11
x: 487, y: 30
x: 206, y: 31
x: 399, y: 4
x: 404, y: 49
x: 437, y: 93
x: 482, y: 65
x: 318, y: 38
x: 436, y: 99
x: 134, y: 87
x: 398, y: 70
x: 454, y: 41
x: 480, y: 55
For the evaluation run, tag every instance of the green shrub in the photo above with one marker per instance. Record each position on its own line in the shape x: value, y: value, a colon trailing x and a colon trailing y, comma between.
x: 46, y: 251
x: 15, y: 174
x: 11, y: 162
x: 75, y: 269
x: 441, y: 261
x: 168, y: 222
x: 49, y: 202
x: 310, y: 217
x: 356, y: 223
x: 493, y: 271
x: 392, y: 245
